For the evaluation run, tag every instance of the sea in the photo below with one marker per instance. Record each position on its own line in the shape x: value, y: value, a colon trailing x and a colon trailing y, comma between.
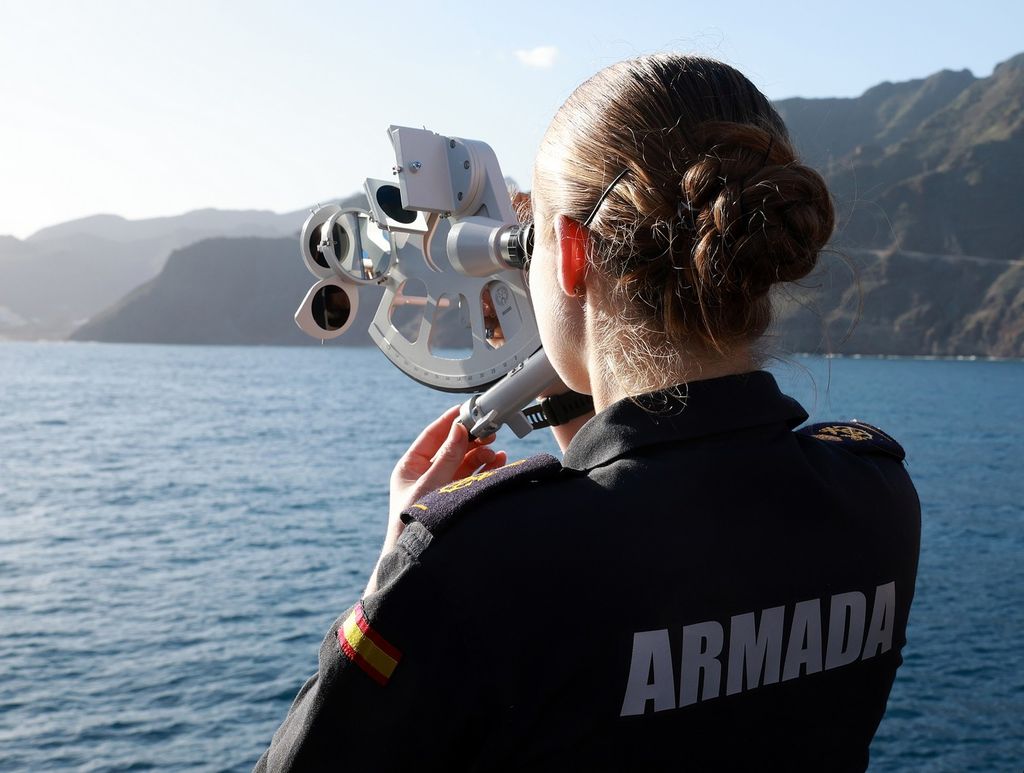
x: 179, y: 526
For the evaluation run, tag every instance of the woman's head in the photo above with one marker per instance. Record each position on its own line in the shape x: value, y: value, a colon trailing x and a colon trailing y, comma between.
x: 713, y: 208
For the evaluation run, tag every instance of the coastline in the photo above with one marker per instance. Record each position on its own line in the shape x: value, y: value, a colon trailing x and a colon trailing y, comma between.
x: 775, y: 356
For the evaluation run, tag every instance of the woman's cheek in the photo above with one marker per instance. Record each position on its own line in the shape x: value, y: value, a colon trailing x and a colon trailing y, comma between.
x: 563, y: 342
x: 543, y: 299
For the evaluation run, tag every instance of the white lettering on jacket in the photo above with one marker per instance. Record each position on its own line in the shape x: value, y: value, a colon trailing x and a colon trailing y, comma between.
x: 760, y: 650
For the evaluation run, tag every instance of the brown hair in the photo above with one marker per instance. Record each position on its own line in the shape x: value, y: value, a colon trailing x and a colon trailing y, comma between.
x: 714, y: 209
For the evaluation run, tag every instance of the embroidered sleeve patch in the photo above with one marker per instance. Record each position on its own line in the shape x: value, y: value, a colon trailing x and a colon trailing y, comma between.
x: 365, y: 647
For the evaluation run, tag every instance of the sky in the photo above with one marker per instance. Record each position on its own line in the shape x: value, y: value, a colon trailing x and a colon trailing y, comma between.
x: 145, y: 109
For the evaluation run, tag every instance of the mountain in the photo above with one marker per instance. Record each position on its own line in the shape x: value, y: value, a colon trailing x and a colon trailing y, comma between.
x: 930, y: 165
x: 245, y: 291
x: 928, y: 256
x: 905, y: 303
x: 253, y: 222
x: 65, y: 274
x: 224, y: 291
x: 831, y: 131
x: 236, y: 291
x: 45, y: 290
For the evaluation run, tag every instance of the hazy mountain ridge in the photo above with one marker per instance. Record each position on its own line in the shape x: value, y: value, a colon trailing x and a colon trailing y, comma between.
x: 198, y: 221
x: 220, y: 290
x: 63, y: 275
x: 229, y: 291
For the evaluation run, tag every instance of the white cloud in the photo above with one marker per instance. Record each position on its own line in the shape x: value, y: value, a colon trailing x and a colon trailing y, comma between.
x: 541, y: 57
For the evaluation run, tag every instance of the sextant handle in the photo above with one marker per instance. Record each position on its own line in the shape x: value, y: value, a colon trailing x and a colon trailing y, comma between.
x: 485, y: 413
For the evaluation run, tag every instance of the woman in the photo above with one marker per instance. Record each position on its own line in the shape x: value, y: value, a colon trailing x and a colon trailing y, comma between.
x: 696, y: 585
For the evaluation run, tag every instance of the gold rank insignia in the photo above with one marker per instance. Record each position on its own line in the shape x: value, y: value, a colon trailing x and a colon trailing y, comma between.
x: 840, y: 432
x: 438, y: 509
x: 469, y: 480
x: 857, y: 437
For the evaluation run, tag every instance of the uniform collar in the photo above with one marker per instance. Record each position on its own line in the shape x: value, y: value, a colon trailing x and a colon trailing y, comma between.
x: 706, y: 408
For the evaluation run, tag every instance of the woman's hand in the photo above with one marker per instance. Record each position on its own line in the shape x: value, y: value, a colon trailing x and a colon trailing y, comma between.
x: 442, y: 453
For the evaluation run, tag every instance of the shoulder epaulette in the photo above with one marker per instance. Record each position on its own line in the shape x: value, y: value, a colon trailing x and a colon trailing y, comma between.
x: 857, y: 436
x: 437, y: 509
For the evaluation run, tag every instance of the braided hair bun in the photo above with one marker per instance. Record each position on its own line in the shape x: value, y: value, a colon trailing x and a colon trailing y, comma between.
x: 761, y: 218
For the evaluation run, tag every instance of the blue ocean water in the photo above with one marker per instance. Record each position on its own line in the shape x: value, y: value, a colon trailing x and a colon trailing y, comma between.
x: 180, y: 525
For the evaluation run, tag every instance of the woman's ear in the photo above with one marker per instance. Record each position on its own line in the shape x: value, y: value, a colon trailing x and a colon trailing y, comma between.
x: 572, y: 255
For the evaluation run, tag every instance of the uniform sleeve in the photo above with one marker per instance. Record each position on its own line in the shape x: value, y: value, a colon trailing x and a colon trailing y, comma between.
x: 396, y: 686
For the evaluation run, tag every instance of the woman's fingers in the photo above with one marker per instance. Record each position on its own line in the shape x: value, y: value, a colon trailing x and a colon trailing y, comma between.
x: 442, y: 453
x: 416, y: 461
x: 499, y: 460
x: 431, y: 439
x: 446, y: 461
x: 479, y: 459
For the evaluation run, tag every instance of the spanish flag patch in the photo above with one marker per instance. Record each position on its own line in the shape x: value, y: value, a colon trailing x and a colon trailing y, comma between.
x: 366, y: 647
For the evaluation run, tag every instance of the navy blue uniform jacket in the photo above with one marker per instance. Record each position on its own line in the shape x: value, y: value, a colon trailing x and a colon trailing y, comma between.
x: 697, y: 586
